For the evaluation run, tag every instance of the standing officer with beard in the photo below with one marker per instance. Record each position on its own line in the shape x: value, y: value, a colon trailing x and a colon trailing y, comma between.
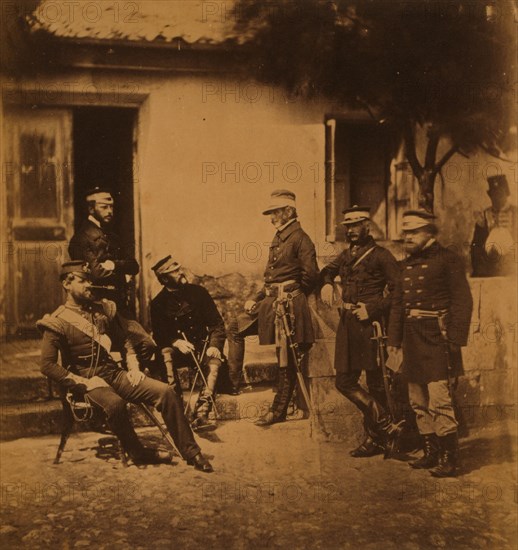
x: 109, y: 264
x: 182, y: 309
x: 368, y: 274
x: 430, y: 321
x: 291, y: 275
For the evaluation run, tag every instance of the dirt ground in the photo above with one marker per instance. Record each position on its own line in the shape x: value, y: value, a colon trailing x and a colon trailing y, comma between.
x: 272, y: 487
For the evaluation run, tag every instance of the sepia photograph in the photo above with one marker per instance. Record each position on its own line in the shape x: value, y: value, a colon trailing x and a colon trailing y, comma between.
x: 258, y: 278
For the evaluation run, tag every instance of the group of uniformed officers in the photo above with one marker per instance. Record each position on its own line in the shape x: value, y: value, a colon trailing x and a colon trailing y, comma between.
x: 422, y: 303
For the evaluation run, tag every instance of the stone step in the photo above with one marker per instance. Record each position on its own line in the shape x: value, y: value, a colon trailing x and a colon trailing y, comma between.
x: 44, y: 417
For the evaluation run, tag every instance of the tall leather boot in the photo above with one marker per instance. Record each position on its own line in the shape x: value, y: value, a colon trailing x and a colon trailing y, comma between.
x: 380, y: 430
x: 430, y: 457
x: 448, y: 448
x: 279, y: 408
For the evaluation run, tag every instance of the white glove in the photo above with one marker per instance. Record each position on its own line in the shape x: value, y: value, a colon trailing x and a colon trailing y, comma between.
x: 327, y: 294
x: 184, y: 346
x: 108, y: 265
x: 361, y: 312
x: 395, y: 358
x: 214, y: 353
x: 135, y: 376
x: 250, y: 306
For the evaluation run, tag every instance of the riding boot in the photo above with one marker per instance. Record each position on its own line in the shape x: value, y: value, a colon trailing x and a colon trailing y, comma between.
x: 279, y: 407
x: 430, y: 457
x: 448, y: 449
x: 201, y: 413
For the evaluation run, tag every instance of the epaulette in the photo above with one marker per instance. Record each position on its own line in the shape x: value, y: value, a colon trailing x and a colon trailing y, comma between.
x: 109, y: 308
x: 51, y: 321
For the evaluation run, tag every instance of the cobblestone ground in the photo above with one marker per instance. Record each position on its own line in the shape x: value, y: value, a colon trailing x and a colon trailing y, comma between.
x: 272, y: 488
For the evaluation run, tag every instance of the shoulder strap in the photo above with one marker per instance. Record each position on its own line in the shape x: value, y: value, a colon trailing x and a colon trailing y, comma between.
x: 362, y: 257
x: 84, y: 325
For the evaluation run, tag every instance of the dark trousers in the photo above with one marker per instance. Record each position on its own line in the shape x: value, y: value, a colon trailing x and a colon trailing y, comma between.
x: 373, y: 404
x: 148, y: 391
x: 236, y: 351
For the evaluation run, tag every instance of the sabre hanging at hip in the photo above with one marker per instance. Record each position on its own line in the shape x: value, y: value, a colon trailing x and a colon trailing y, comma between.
x: 297, y: 355
x: 380, y: 339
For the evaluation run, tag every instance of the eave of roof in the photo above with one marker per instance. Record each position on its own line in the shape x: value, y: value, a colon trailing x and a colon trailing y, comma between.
x: 169, y: 23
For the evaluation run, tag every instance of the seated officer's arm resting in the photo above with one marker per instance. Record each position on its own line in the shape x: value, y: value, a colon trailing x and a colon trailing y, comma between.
x: 49, y: 366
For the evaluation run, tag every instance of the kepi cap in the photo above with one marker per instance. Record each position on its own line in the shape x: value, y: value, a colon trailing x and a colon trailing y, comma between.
x: 280, y: 198
x: 415, y: 219
x: 77, y: 267
x: 498, y: 183
x: 356, y: 214
x: 101, y: 195
x: 166, y: 265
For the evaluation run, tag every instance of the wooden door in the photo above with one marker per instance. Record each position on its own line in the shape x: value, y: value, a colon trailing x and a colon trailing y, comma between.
x: 40, y: 211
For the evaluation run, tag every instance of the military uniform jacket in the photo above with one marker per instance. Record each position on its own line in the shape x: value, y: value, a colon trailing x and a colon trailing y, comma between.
x: 433, y: 279
x: 504, y: 261
x: 371, y: 281
x: 191, y: 310
x: 292, y: 257
x: 78, y: 351
x: 95, y: 245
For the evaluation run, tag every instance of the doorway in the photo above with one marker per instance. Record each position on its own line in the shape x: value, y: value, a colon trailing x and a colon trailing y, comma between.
x: 103, y: 156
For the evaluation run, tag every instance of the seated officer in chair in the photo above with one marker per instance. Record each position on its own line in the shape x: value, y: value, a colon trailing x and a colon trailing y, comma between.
x: 83, y: 331
x: 183, y: 316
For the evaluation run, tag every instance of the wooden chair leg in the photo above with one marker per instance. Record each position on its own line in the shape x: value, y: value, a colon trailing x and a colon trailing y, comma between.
x: 66, y: 430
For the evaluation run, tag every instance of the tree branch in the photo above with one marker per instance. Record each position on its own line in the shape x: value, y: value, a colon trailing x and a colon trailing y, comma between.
x: 431, y: 150
x: 410, y: 151
x: 439, y: 166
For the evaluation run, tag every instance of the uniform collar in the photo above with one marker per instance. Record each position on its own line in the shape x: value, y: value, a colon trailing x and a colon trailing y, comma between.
x: 359, y: 250
x: 95, y: 221
x: 287, y: 229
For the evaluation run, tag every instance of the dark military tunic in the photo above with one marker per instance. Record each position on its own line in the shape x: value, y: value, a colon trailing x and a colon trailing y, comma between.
x: 191, y: 310
x: 292, y: 257
x: 370, y: 281
x: 501, y: 261
x: 78, y: 354
x: 434, y: 279
x: 95, y: 245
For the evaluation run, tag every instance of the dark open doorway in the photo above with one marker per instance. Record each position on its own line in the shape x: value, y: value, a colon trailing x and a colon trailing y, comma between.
x: 103, y: 155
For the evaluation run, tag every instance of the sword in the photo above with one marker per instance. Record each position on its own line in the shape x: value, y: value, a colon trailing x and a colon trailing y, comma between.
x: 200, y: 371
x: 165, y: 434
x: 380, y: 338
x: 297, y: 357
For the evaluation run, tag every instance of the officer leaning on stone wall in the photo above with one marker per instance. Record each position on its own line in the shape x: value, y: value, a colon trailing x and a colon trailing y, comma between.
x: 368, y: 274
x: 429, y: 323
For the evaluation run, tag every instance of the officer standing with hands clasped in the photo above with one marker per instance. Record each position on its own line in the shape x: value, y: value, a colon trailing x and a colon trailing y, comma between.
x: 429, y: 323
x: 368, y: 275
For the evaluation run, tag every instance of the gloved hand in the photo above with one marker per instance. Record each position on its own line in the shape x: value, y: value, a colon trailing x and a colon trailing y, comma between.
x: 107, y: 265
x: 214, y: 353
x: 327, y: 294
x: 250, y: 306
x: 135, y: 377
x: 184, y: 346
x: 361, y: 312
x: 395, y: 358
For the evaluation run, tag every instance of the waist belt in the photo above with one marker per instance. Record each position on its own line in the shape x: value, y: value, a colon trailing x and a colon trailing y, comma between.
x: 287, y: 289
x: 425, y: 313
